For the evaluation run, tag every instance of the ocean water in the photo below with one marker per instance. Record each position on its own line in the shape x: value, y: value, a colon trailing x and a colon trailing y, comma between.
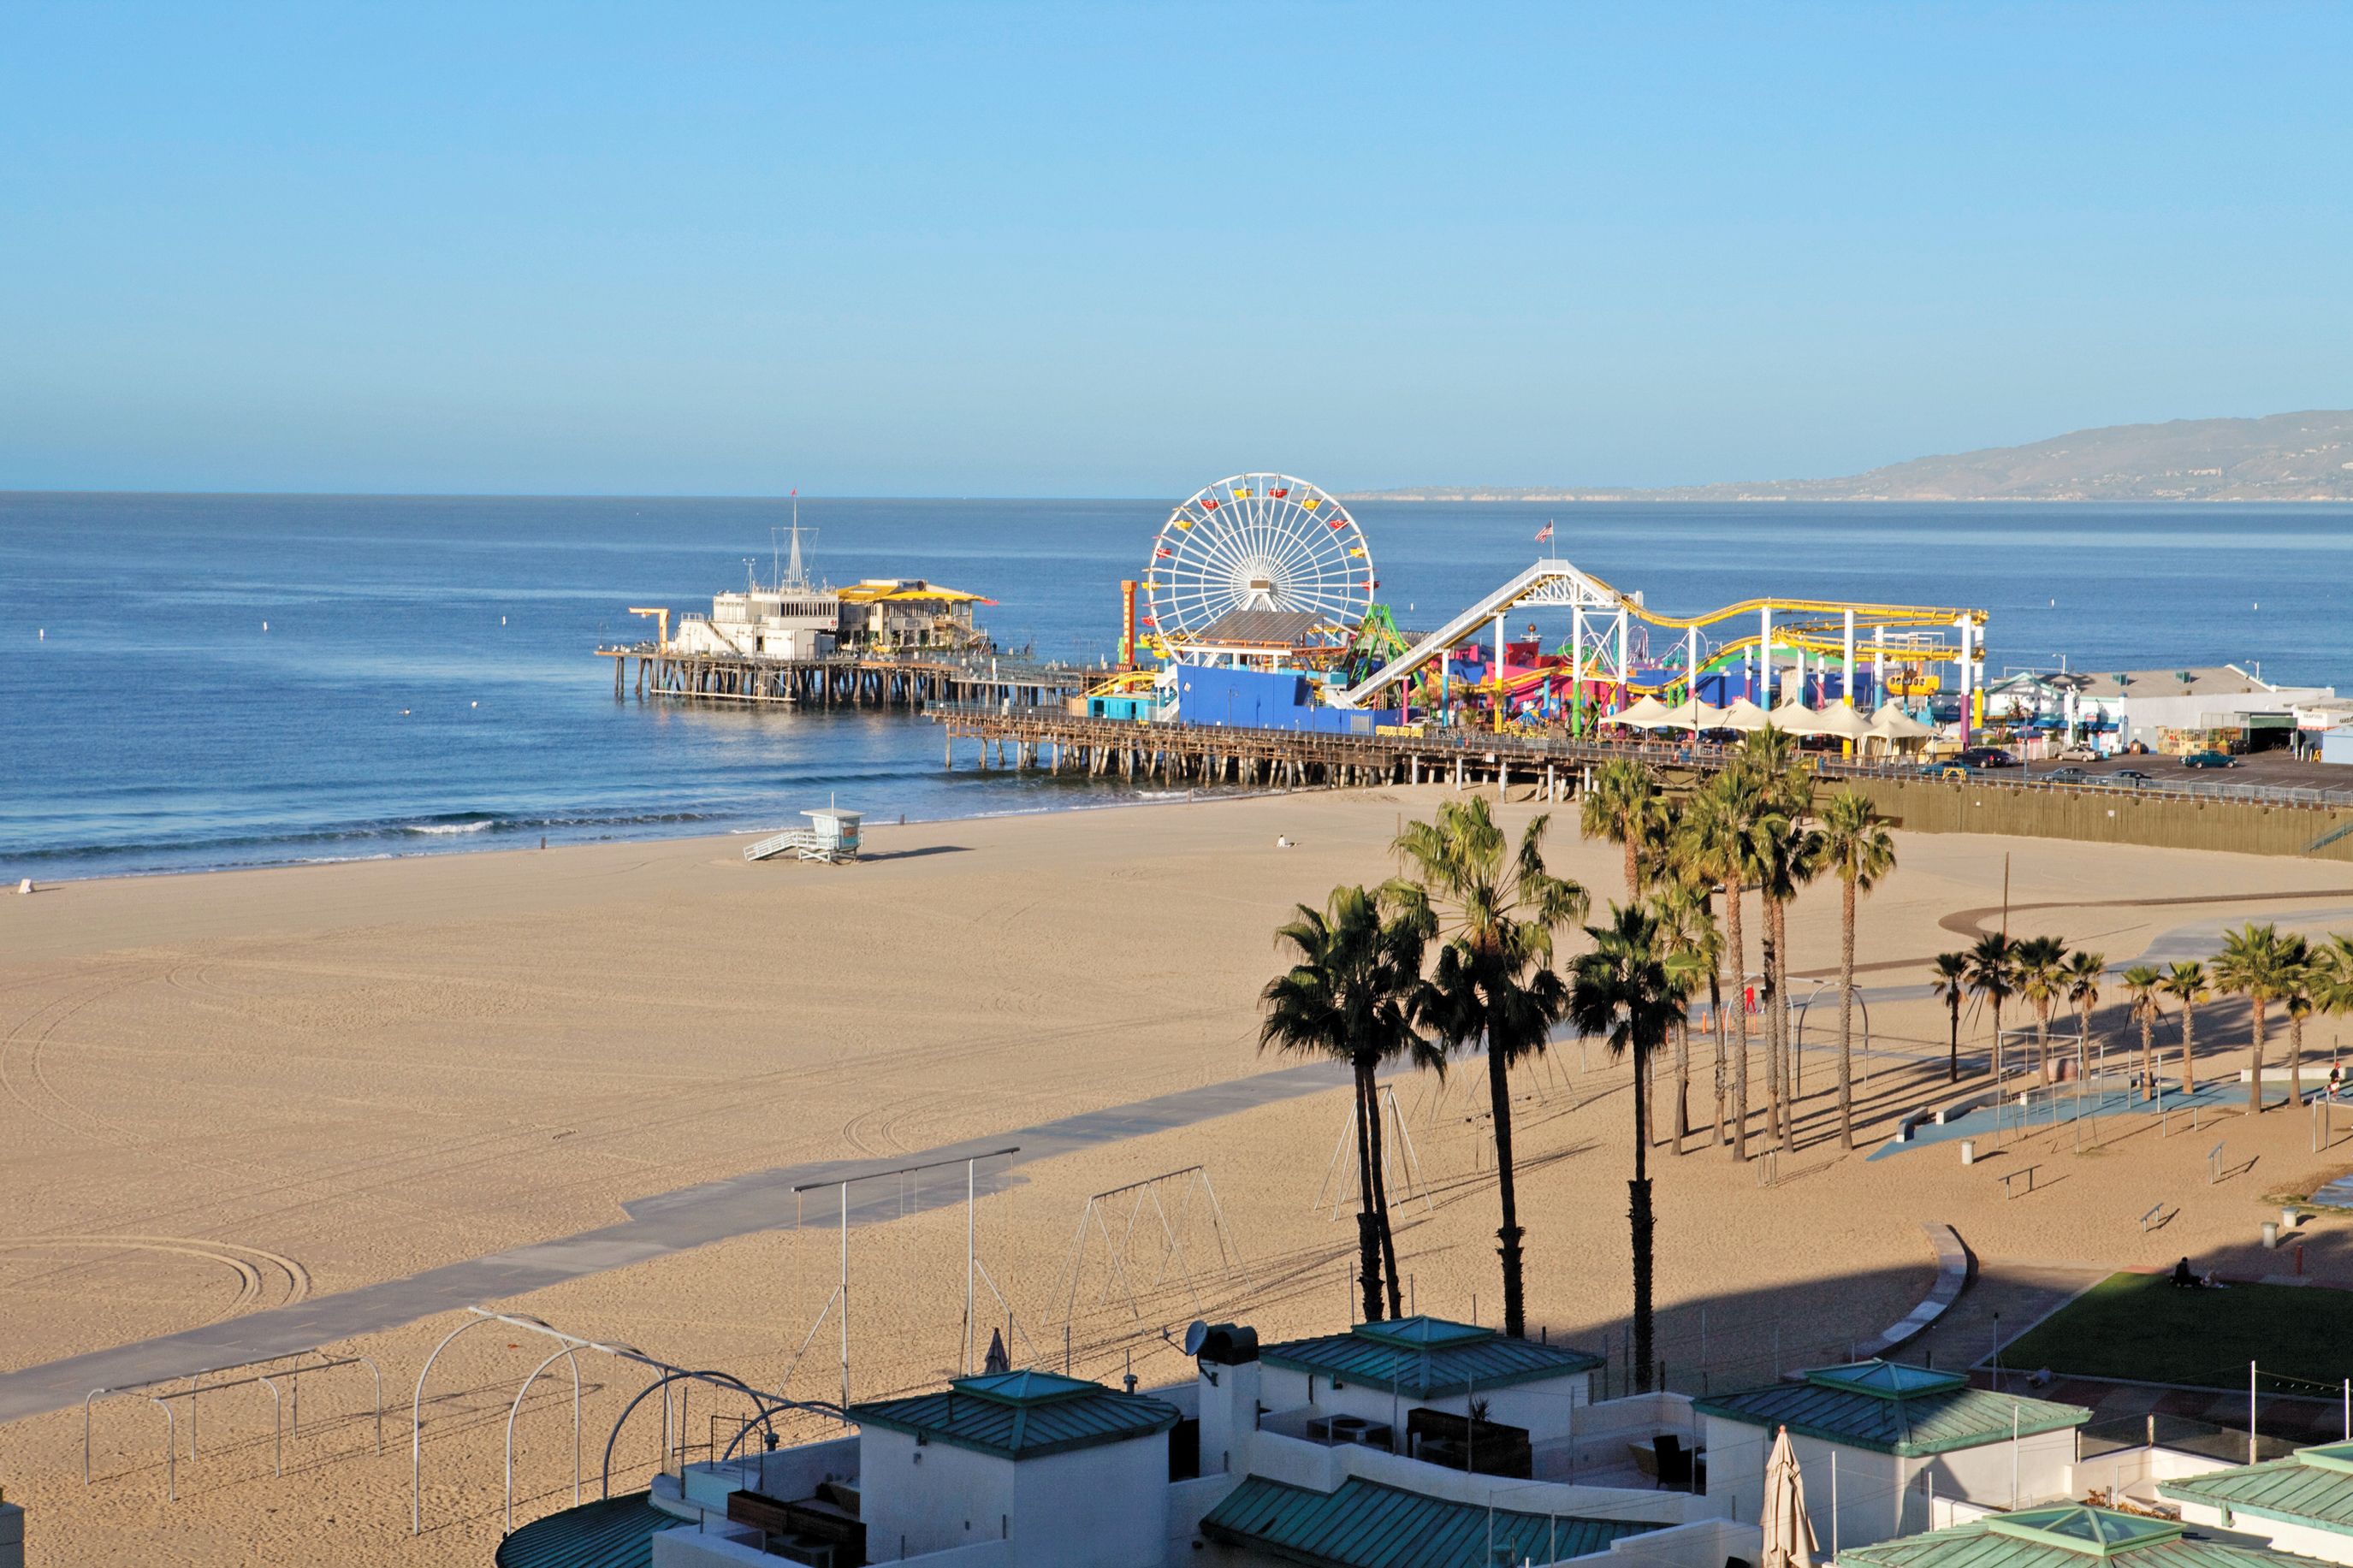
x: 427, y: 680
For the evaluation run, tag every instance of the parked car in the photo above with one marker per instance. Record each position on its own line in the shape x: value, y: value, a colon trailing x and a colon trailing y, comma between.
x: 1945, y: 771
x: 2210, y: 760
x: 1987, y: 757
x: 2131, y: 775
x: 2065, y: 775
x: 2079, y: 754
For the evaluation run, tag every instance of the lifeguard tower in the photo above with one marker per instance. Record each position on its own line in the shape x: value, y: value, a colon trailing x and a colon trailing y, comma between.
x: 831, y: 836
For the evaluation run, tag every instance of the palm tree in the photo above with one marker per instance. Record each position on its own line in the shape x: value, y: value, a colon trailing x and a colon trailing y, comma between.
x: 2185, y: 983
x: 1857, y: 850
x: 1349, y: 997
x: 1630, y: 988
x: 2144, y: 985
x: 2042, y: 980
x: 2332, y: 984
x: 1714, y: 844
x: 2083, y: 972
x: 1786, y: 856
x: 1622, y: 807
x: 1688, y: 933
x: 2250, y: 965
x: 1993, y: 975
x: 1496, y: 909
x: 1951, y: 985
x: 2300, y: 979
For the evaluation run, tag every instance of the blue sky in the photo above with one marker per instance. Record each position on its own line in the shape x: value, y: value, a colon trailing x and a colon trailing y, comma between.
x: 1121, y: 250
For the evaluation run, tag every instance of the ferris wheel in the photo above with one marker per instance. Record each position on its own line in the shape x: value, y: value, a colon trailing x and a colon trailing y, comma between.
x: 1258, y: 542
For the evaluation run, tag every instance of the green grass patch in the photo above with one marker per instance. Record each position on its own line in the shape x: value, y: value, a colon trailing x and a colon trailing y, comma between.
x: 2140, y: 1327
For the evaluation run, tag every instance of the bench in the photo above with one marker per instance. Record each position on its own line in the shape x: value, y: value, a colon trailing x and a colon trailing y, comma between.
x: 2009, y: 1176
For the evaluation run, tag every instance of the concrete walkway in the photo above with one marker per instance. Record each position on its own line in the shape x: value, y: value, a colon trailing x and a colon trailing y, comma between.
x: 656, y: 1227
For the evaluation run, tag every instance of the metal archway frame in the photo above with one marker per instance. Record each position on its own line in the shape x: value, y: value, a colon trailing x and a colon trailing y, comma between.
x: 768, y: 1403
x: 417, y: 1400
x: 566, y: 1353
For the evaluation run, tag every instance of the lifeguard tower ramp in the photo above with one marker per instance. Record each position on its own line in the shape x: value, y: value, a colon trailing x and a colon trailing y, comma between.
x: 832, y: 837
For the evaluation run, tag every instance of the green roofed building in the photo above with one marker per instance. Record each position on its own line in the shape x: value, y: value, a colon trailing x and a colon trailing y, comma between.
x: 1366, y: 1524
x: 2069, y: 1535
x: 1897, y: 1437
x: 2303, y: 1503
x: 1062, y: 1470
x: 1382, y: 1373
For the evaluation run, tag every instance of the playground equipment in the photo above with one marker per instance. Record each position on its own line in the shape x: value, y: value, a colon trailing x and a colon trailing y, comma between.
x: 1256, y: 563
x: 1609, y: 661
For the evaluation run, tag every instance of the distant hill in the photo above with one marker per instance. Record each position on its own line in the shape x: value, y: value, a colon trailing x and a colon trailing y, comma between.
x: 2284, y: 457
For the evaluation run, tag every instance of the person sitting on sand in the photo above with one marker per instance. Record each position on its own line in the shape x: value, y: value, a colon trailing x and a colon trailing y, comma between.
x: 2183, y: 1278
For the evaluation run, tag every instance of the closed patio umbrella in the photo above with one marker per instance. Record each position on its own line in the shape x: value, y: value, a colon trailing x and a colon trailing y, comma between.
x: 1789, y: 1533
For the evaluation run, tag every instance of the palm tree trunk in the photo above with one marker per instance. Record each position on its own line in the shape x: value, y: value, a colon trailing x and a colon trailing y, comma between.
x: 1372, y: 1091
x: 1498, y: 1100
x: 2188, y: 1072
x: 1683, y: 1081
x: 2043, y: 1041
x: 1633, y: 859
x: 1781, y: 1023
x: 2255, y: 1078
x: 2294, y: 1057
x: 2147, y: 1056
x: 1739, y: 957
x: 1772, y: 1038
x: 1953, y: 1045
x: 1846, y: 1015
x: 1715, y: 1008
x: 1638, y: 1214
x: 1368, y: 1228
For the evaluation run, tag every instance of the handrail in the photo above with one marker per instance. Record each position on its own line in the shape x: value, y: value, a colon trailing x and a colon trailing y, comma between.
x: 1702, y: 754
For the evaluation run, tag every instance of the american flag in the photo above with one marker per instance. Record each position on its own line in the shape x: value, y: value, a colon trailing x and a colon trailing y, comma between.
x: 1544, y: 532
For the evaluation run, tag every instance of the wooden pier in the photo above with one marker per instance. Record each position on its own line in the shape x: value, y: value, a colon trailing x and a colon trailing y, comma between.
x: 1056, y: 742
x: 912, y: 678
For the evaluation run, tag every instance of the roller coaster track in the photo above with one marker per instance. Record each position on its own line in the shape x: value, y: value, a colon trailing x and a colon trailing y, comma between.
x: 1818, y: 625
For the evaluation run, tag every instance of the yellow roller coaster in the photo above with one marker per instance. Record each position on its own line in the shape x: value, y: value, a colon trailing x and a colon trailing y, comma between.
x: 1905, y: 639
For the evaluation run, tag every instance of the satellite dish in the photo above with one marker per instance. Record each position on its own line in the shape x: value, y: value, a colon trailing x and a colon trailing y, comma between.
x: 1196, y: 1334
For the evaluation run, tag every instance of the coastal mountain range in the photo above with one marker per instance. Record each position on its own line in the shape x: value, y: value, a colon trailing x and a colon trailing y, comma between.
x: 2282, y: 456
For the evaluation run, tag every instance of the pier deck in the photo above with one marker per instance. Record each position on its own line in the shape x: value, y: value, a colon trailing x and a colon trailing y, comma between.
x: 909, y: 679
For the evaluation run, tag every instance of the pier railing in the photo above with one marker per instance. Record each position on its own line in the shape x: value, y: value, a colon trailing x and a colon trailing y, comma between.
x: 1023, y: 720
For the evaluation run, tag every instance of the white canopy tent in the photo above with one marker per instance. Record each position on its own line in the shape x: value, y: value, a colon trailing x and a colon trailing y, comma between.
x: 1842, y: 721
x: 1744, y: 715
x: 1891, y: 723
x: 1794, y: 717
x: 1694, y: 715
x: 1649, y: 713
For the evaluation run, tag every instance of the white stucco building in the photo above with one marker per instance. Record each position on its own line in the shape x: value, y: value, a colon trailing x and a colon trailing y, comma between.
x: 2303, y: 1503
x: 1880, y: 1443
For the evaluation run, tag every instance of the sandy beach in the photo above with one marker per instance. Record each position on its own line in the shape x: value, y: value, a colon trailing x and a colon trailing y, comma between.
x: 231, y: 1092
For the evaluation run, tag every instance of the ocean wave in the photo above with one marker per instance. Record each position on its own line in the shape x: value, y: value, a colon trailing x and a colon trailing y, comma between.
x: 442, y: 827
